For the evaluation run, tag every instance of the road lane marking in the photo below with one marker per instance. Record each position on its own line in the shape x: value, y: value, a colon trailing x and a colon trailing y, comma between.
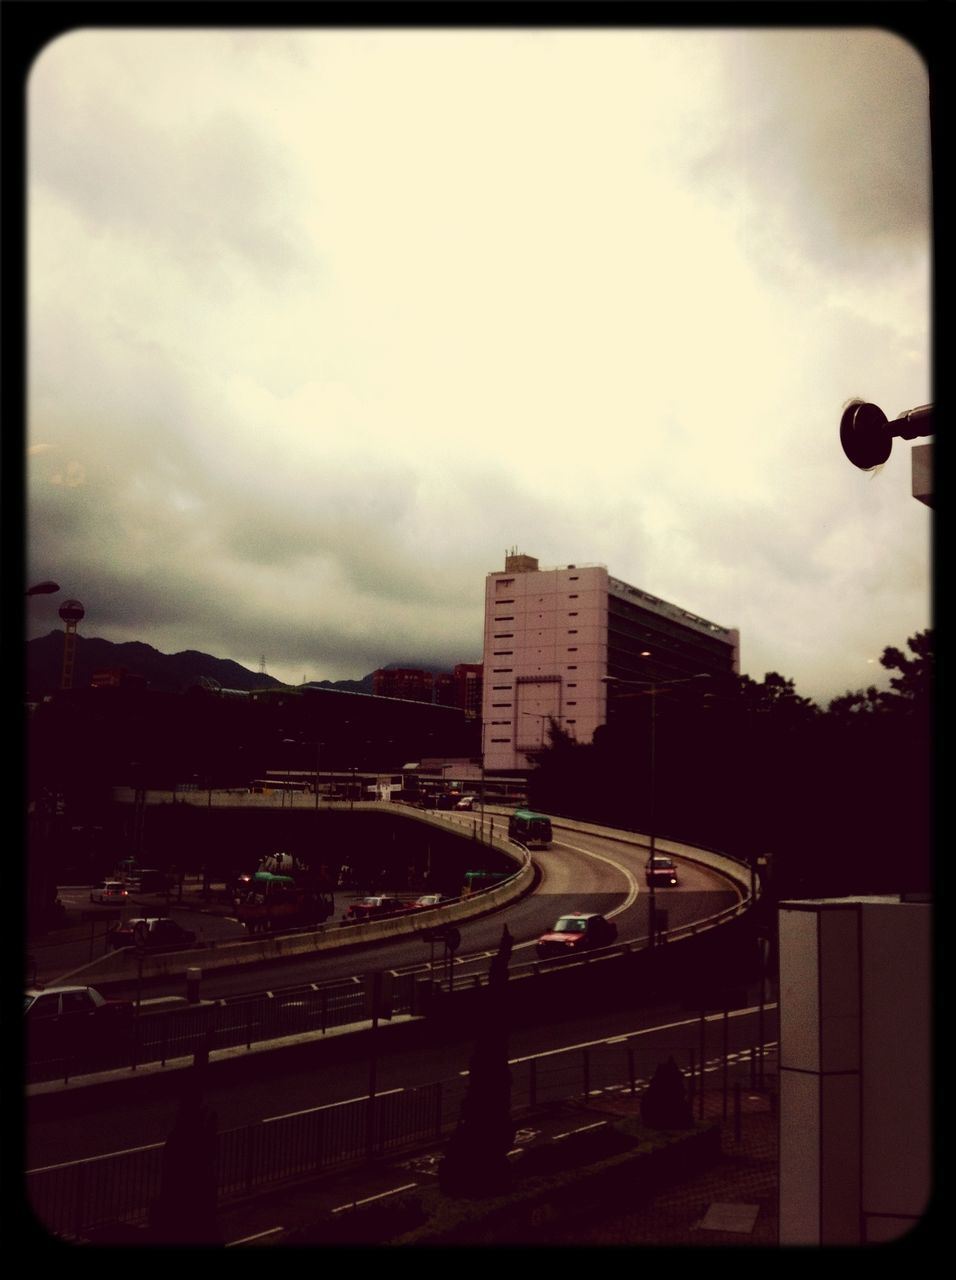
x: 291, y: 1115
x: 599, y: 1124
x: 643, y: 1031
x: 258, y: 1236
x: 625, y: 872
x: 354, y: 1204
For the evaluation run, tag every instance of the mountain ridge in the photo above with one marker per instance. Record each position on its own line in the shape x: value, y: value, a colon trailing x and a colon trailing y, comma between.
x: 162, y: 671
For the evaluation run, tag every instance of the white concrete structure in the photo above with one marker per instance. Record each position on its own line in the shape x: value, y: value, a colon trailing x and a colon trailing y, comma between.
x: 552, y: 635
x: 855, y: 1070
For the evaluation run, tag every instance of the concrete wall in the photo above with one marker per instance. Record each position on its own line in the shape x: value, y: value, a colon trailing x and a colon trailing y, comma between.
x: 855, y: 1102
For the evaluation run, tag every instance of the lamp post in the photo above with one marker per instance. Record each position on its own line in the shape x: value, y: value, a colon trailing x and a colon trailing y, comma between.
x: 651, y: 688
x: 540, y: 716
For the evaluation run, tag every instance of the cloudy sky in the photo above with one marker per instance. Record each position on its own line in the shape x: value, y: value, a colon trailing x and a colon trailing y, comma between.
x: 322, y: 321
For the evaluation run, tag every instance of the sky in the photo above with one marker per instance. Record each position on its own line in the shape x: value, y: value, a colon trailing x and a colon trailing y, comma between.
x: 322, y: 322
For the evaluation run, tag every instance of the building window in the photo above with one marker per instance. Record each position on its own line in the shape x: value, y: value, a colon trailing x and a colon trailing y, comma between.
x: 511, y: 618
x: 573, y: 649
x: 573, y: 683
x: 572, y: 668
x: 574, y: 579
x: 573, y: 613
x: 572, y: 704
x: 511, y: 601
x: 505, y: 635
x: 500, y: 739
x: 502, y: 653
x: 573, y: 631
x: 501, y: 671
x: 504, y: 582
x: 570, y: 722
x: 573, y: 597
x: 501, y: 704
x: 498, y: 687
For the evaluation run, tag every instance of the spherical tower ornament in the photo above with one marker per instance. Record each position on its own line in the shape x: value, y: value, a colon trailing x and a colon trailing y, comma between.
x: 71, y: 611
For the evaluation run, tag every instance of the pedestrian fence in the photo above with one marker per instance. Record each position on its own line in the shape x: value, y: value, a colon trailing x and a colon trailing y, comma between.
x: 73, y: 1199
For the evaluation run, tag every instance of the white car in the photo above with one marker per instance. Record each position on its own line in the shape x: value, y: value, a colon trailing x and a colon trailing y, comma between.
x: 59, y: 1018
x: 109, y: 892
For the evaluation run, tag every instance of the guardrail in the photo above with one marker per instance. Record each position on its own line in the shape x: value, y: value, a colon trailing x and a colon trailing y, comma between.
x: 172, y: 1036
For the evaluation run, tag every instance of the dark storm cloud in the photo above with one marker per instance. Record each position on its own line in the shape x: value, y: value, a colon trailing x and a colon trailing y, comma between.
x: 827, y: 135
x: 206, y: 197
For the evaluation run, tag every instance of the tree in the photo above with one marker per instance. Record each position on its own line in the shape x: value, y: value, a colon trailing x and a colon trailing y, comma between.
x: 914, y: 684
x: 476, y: 1162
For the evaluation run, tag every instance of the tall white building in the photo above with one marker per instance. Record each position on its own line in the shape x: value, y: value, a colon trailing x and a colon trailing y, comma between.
x: 552, y: 635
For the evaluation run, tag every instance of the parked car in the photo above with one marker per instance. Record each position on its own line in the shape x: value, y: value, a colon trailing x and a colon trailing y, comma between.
x: 660, y: 870
x: 374, y: 908
x: 466, y: 802
x: 578, y: 931
x: 61, y: 1018
x: 155, y: 933
x: 109, y: 893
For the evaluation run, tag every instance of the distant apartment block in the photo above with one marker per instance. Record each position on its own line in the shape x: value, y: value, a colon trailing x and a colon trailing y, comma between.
x: 460, y: 688
x: 468, y: 678
x: 403, y: 682
x: 552, y: 635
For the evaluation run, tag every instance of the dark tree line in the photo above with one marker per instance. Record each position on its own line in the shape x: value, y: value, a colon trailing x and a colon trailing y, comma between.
x: 839, y: 798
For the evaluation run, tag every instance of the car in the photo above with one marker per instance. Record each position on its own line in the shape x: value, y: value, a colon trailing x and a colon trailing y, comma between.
x: 109, y: 893
x: 466, y: 802
x: 426, y: 902
x: 153, y: 933
x: 575, y: 932
x: 63, y: 1017
x: 660, y: 870
x: 373, y: 908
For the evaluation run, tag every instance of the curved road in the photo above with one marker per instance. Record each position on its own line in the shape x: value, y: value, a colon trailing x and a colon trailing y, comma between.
x: 583, y: 871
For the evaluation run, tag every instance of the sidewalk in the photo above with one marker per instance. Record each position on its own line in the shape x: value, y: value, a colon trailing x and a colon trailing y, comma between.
x: 732, y: 1203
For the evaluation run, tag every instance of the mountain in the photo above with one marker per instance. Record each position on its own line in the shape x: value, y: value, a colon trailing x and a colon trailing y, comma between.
x: 168, y: 672
x: 345, y: 686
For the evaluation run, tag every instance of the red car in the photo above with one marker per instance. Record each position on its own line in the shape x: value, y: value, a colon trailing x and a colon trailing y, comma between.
x: 374, y: 908
x: 578, y: 931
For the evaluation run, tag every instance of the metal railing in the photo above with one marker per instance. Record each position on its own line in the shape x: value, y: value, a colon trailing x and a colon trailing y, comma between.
x: 73, y: 1199
x: 163, y: 1037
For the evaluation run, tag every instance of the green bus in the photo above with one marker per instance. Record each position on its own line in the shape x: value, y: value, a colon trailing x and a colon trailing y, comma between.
x: 533, y: 830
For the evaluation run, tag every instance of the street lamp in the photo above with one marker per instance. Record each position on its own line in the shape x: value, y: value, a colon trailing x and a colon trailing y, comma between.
x: 651, y: 688
x: 540, y: 716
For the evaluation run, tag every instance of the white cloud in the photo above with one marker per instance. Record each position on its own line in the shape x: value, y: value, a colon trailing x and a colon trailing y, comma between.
x: 322, y: 321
